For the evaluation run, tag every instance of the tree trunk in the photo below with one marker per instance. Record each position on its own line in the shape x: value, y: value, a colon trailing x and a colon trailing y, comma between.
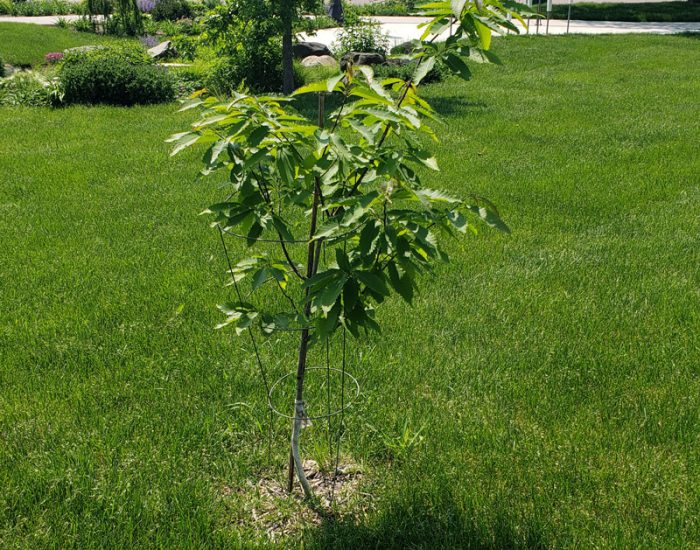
x: 295, y: 462
x: 287, y: 55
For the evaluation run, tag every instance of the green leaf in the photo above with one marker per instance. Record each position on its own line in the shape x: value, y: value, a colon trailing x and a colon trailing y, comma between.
x: 343, y: 261
x: 319, y: 86
x: 328, y: 295
x: 457, y: 65
x: 260, y: 277
x: 351, y: 292
x: 327, y: 323
x: 372, y: 281
x: 368, y: 238
x: 257, y: 135
x: 255, y: 231
x: 185, y: 141
x: 423, y: 68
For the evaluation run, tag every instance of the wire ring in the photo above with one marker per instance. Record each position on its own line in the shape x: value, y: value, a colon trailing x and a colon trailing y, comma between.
x: 319, y: 417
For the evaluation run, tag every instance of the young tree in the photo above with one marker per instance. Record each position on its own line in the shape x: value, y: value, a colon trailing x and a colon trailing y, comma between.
x: 350, y: 189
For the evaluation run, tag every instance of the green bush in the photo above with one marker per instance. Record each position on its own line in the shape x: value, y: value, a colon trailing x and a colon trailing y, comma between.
x: 259, y: 70
x: 38, y: 7
x: 29, y: 89
x: 361, y: 36
x: 188, y: 80
x: 129, y: 52
x: 171, y: 10
x: 436, y: 74
x: 2, y: 68
x: 115, y: 75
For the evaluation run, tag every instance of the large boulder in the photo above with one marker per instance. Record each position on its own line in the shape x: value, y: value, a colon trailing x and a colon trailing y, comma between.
x: 362, y: 58
x: 164, y: 50
x: 399, y: 61
x: 307, y: 49
x: 405, y: 47
x: 319, y: 61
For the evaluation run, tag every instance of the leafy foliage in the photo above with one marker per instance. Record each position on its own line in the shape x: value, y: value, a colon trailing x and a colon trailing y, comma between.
x: 259, y: 68
x: 171, y: 10
x: 358, y: 182
x: 116, y: 75
x: 29, y: 89
x: 362, y: 36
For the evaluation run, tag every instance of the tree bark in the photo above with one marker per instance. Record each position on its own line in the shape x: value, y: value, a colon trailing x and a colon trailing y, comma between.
x: 287, y: 54
x: 295, y: 462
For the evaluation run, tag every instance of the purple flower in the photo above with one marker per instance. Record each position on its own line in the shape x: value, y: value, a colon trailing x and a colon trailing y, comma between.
x: 149, y: 40
x: 53, y: 57
x: 146, y: 5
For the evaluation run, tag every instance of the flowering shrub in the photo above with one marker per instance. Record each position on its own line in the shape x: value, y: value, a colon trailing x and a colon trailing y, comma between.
x: 146, y: 5
x: 53, y: 57
x: 149, y: 41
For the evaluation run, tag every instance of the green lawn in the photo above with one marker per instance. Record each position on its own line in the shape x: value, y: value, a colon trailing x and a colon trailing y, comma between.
x: 555, y: 372
x: 27, y: 44
x: 668, y: 12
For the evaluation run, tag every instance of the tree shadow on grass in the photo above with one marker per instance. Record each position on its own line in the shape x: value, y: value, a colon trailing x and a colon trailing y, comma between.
x: 445, y: 106
x: 427, y: 523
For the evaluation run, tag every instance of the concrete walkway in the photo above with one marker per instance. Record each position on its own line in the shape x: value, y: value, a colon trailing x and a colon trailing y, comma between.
x: 402, y: 29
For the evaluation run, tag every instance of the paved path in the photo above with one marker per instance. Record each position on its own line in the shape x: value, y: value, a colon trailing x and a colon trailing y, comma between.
x: 401, y: 29
x: 45, y: 20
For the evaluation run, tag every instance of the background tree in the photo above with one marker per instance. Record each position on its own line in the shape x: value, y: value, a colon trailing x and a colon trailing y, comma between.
x: 257, y: 35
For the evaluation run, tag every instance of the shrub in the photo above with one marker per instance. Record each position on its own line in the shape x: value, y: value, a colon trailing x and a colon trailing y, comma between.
x: 6, y: 7
x: 29, y: 89
x: 42, y: 7
x: 188, y: 80
x: 436, y: 74
x: 362, y: 36
x: 129, y: 52
x: 116, y: 75
x: 171, y: 10
x: 257, y: 69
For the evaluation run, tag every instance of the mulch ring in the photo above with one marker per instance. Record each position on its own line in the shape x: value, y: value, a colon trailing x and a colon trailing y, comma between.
x: 269, y: 508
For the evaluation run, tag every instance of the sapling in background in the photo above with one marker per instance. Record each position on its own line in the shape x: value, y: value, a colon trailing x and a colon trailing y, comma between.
x: 350, y: 191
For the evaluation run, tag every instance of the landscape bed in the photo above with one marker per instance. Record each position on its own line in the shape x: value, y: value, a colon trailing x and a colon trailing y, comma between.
x: 543, y: 391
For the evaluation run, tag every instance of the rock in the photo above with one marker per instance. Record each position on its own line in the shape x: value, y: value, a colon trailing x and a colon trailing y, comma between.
x: 362, y: 58
x: 398, y: 61
x: 307, y: 49
x: 9, y: 70
x: 83, y: 49
x: 405, y: 47
x: 319, y: 61
x: 164, y: 50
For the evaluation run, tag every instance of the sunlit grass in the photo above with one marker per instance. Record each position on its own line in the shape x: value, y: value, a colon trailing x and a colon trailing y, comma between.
x: 554, y: 372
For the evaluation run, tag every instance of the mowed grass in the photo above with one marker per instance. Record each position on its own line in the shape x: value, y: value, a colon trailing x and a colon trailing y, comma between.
x: 553, y: 372
x: 26, y: 44
x: 665, y: 12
